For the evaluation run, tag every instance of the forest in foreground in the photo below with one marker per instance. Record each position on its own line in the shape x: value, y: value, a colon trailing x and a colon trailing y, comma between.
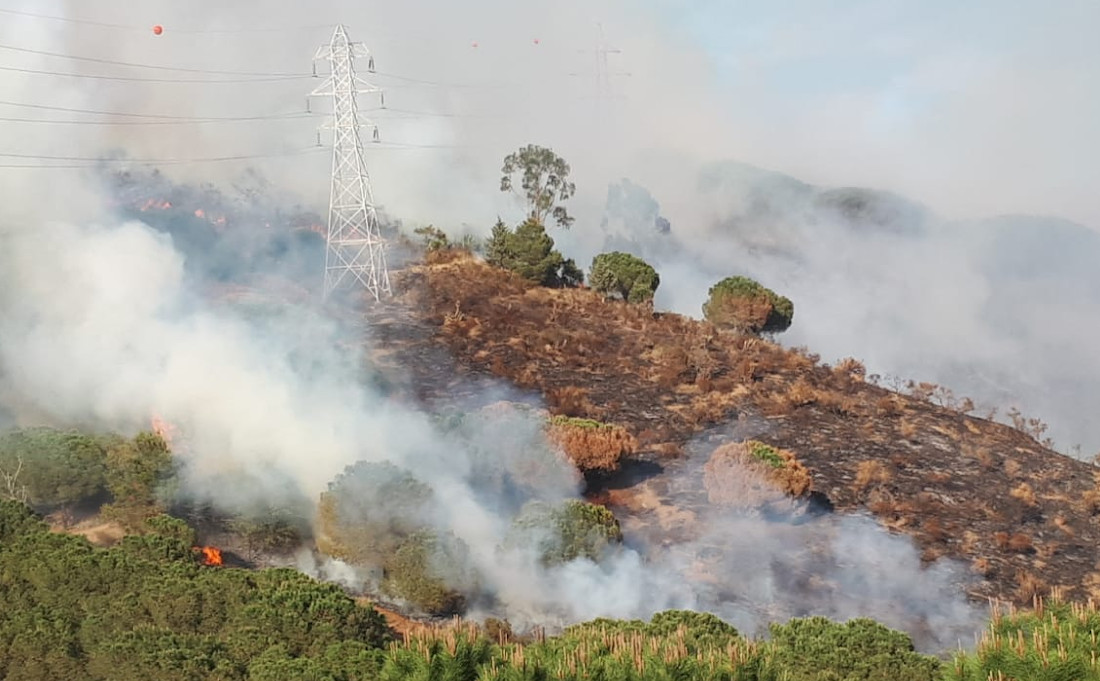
x: 150, y: 608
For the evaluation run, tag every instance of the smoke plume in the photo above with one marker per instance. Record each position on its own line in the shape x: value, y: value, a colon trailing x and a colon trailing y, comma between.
x: 101, y: 321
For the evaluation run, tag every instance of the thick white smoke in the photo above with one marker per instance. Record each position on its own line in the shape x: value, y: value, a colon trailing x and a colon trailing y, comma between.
x: 97, y: 324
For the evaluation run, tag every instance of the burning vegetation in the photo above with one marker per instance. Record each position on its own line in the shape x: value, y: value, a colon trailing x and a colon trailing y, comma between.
x: 210, y: 556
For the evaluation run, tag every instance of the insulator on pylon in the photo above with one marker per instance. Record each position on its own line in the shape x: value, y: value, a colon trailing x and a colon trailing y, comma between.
x: 318, y: 138
x: 308, y: 105
x: 370, y: 64
x: 382, y: 96
x: 375, y: 135
x: 314, y: 69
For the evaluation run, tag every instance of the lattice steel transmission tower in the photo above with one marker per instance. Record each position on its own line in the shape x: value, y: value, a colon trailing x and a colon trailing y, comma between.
x: 604, y: 89
x: 355, y: 252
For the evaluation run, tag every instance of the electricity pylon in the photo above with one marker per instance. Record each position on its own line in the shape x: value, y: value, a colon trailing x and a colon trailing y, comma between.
x: 355, y: 251
x: 604, y: 89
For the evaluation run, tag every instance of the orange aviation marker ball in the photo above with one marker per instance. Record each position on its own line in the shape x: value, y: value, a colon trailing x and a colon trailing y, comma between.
x: 158, y: 29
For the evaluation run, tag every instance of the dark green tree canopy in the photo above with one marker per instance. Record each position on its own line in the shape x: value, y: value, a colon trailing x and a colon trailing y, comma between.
x: 625, y: 276
x: 58, y: 468
x: 432, y: 571
x: 543, y: 178
x: 529, y: 252
x: 565, y: 532
x: 369, y: 510
x: 743, y: 304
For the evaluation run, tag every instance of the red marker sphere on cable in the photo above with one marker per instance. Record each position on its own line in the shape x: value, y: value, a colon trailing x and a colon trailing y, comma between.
x: 158, y: 29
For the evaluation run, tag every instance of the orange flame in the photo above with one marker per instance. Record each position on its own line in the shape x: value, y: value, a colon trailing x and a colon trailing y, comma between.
x: 165, y: 429
x: 156, y: 204
x: 210, y: 555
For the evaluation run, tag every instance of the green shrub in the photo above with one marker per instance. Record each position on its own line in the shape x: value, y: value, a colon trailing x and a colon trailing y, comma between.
x: 59, y: 469
x: 369, y: 510
x: 624, y: 276
x: 575, y: 529
x: 817, y: 649
x: 529, y: 252
x: 432, y: 572
x: 744, y: 305
x: 766, y: 454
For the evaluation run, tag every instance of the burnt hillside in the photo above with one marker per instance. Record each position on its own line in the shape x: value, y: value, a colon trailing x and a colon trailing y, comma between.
x: 1021, y: 515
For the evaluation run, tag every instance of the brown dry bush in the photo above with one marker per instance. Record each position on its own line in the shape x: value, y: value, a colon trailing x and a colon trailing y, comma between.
x: 851, y: 369
x: 1028, y: 587
x: 1090, y: 500
x: 838, y: 403
x: 590, y: 445
x: 749, y: 474
x: 907, y: 429
x: 1024, y: 493
x: 1015, y: 543
x: 871, y: 472
x: 802, y: 393
x: 570, y: 401
x: 890, y: 405
x: 935, y: 530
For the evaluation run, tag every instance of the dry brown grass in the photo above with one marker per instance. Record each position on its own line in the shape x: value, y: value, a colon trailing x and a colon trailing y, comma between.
x: 592, y: 446
x: 1015, y: 543
x: 1028, y: 587
x: 570, y: 401
x: 871, y: 472
x: 908, y: 429
x: 1024, y: 493
x: 737, y: 475
x: 667, y: 378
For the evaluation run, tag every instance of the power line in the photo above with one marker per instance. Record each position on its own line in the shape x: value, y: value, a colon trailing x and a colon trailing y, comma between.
x: 167, y: 117
x: 92, y: 161
x: 196, y: 121
x: 265, y: 75
x: 132, y: 27
x: 207, y: 81
x: 156, y: 67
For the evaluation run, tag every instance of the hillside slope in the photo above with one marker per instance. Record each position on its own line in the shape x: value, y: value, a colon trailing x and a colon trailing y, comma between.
x: 1021, y: 515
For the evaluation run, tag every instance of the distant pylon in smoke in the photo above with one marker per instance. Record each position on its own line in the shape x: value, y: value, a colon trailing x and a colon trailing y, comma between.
x: 604, y: 88
x: 355, y: 252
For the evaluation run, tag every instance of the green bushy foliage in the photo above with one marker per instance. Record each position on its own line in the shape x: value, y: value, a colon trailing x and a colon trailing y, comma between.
x: 369, y: 510
x: 435, y: 239
x: 625, y: 276
x: 139, y: 476
x: 817, y: 649
x: 72, y: 611
x: 529, y: 252
x: 1056, y: 642
x: 577, y: 422
x: 544, y: 180
x: 745, y: 305
x: 575, y: 529
x: 766, y: 454
x: 59, y: 469
x: 432, y: 572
